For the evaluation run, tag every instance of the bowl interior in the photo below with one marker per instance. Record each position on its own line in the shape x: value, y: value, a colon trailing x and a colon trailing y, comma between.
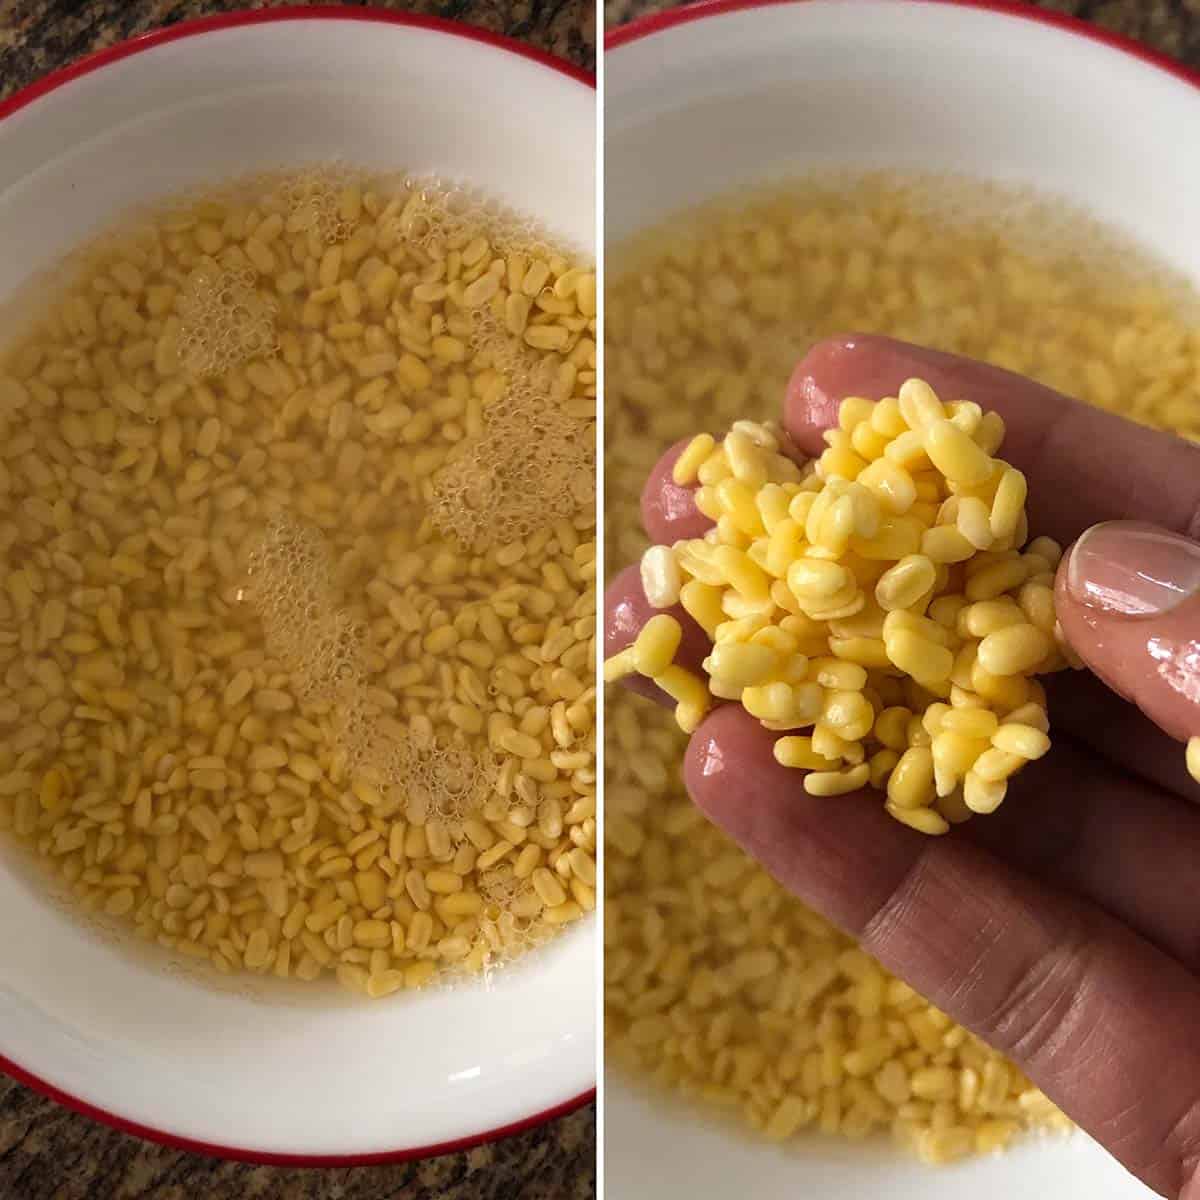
x: 709, y: 1159
x: 740, y: 97
x: 259, y: 1069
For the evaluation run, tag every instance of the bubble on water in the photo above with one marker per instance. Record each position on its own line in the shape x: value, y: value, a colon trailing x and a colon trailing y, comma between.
x: 511, y: 921
x: 313, y: 198
x: 533, y: 463
x: 223, y: 319
x: 289, y: 585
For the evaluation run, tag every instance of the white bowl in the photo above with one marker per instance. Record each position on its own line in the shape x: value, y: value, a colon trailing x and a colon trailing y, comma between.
x: 228, y: 1072
x: 698, y: 101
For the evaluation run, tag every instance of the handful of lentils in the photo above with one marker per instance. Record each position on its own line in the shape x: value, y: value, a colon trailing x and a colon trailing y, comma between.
x: 882, y: 606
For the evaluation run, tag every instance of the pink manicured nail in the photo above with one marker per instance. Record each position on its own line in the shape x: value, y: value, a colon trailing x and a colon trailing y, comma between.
x: 1132, y: 569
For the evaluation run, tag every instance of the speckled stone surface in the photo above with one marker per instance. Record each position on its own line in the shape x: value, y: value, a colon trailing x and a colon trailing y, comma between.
x: 1171, y: 26
x: 38, y: 36
x: 48, y: 1153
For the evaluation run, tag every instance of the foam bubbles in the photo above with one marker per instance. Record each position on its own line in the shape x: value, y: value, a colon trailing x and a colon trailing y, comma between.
x: 290, y: 586
x: 316, y: 200
x: 438, y: 214
x: 447, y: 782
x: 533, y: 463
x: 223, y: 319
x: 510, y: 923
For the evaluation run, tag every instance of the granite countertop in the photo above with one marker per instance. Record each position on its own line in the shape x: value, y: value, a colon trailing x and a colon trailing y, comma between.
x: 49, y: 1153
x: 37, y: 36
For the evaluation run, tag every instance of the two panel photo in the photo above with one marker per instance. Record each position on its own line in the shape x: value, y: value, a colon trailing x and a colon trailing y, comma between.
x: 599, y: 601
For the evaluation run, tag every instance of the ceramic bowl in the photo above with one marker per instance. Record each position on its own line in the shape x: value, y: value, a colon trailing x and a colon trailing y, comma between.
x: 701, y: 100
x: 252, y: 1072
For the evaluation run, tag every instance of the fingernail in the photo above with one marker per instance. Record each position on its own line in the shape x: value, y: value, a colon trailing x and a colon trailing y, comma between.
x: 1134, y: 570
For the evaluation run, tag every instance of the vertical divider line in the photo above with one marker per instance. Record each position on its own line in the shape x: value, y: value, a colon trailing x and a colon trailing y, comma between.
x: 601, y: 260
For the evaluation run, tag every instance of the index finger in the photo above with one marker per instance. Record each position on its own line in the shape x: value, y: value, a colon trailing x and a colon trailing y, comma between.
x: 1083, y: 465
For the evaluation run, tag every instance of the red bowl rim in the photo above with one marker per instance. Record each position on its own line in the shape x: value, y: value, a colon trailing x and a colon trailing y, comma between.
x: 698, y: 10
x: 22, y: 99
x: 234, y: 20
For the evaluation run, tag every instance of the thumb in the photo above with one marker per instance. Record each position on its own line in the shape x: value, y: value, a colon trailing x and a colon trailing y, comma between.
x: 1129, y: 603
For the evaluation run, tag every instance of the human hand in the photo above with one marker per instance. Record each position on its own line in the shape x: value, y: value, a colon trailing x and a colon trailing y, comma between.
x: 1062, y: 928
